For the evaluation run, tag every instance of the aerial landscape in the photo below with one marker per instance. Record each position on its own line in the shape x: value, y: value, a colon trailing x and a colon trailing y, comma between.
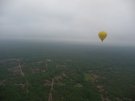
x: 67, y: 50
x: 65, y: 72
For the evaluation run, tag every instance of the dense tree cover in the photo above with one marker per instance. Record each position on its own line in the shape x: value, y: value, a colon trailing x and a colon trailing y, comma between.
x: 80, y: 73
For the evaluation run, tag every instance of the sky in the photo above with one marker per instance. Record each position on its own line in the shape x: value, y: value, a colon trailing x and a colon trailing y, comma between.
x: 68, y: 20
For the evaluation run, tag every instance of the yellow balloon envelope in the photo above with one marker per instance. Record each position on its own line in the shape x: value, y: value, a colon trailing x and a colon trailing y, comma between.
x: 102, y: 35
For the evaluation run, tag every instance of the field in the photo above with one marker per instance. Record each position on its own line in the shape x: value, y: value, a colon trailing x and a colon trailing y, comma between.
x: 66, y: 72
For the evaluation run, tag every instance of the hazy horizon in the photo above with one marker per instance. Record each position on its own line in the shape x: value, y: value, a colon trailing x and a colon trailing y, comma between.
x: 72, y: 21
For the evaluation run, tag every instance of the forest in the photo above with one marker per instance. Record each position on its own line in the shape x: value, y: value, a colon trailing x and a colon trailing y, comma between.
x: 66, y: 72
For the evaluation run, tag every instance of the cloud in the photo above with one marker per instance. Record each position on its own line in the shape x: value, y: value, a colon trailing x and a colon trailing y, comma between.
x: 72, y: 19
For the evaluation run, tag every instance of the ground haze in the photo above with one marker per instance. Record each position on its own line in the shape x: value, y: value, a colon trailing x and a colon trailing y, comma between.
x: 33, y: 71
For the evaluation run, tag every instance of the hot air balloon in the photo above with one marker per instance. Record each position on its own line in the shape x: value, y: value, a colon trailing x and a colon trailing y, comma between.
x: 102, y: 35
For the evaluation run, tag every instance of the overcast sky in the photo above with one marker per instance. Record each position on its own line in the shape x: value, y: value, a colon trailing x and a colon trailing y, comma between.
x: 68, y: 20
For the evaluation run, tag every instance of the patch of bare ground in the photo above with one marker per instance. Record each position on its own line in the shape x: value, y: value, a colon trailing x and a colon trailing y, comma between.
x: 23, y: 86
x: 60, y: 66
x: 105, y: 98
x: 35, y: 70
x: 78, y: 85
x: 2, y: 82
x: 15, y: 71
x: 50, y: 97
x: 47, y: 83
x: 94, y: 78
x: 58, y: 80
x: 103, y: 93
